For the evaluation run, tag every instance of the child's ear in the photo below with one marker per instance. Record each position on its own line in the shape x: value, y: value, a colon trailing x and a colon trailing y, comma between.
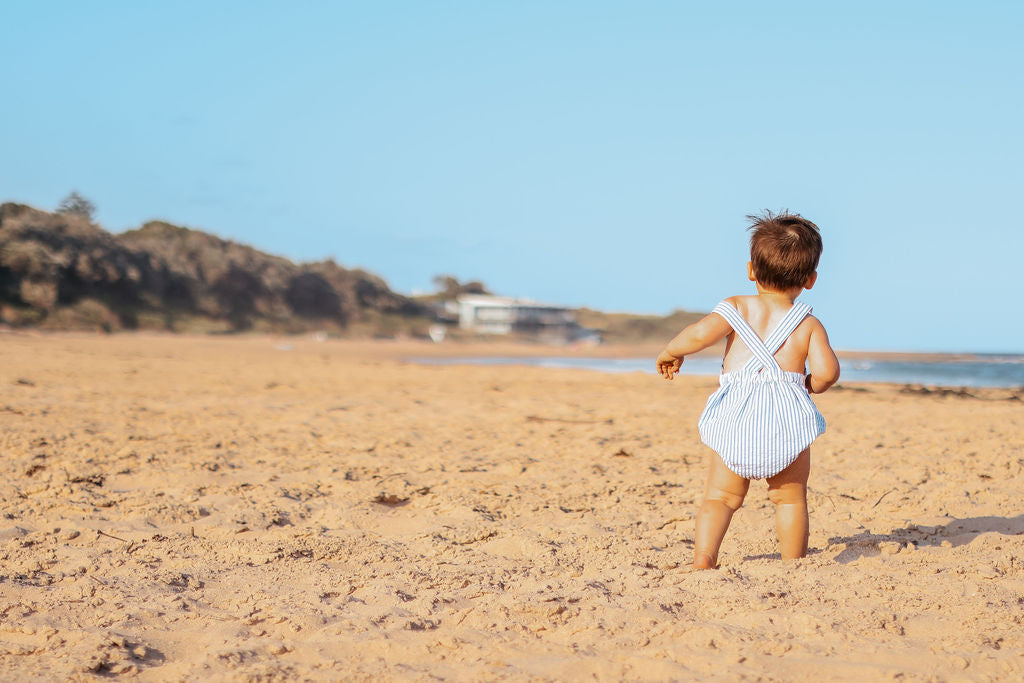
x: 811, y: 280
x: 750, y: 272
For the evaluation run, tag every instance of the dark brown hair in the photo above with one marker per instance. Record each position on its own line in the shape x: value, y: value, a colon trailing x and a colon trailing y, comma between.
x: 784, y: 249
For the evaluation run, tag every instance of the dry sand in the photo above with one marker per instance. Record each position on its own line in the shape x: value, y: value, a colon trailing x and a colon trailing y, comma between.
x: 268, y: 509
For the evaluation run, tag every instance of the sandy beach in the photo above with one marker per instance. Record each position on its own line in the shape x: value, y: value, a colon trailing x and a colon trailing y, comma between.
x: 256, y: 508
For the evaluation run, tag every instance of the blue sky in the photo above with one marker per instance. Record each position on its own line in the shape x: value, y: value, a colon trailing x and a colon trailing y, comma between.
x: 581, y: 153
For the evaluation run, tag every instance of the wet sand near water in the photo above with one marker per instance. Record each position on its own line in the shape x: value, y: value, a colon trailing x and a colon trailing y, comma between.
x: 239, y: 508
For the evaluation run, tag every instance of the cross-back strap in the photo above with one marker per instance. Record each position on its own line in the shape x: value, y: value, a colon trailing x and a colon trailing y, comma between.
x: 746, y: 333
x: 764, y: 351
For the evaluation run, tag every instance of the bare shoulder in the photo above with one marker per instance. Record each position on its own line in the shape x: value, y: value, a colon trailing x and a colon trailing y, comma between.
x: 739, y: 302
x: 812, y: 324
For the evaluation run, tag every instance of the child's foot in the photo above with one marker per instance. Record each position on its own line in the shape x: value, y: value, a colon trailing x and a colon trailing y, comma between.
x: 703, y: 561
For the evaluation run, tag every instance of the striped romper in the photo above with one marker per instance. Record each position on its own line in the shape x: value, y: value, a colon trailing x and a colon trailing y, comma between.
x: 761, y: 417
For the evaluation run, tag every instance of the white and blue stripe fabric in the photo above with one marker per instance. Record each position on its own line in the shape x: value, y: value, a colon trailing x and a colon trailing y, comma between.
x: 761, y: 417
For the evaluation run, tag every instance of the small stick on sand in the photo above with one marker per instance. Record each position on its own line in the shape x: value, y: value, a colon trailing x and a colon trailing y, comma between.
x: 824, y: 495
x: 671, y: 521
x: 882, y: 496
x: 116, y: 538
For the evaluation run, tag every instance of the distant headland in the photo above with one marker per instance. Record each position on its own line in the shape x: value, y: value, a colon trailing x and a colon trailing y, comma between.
x: 61, y: 271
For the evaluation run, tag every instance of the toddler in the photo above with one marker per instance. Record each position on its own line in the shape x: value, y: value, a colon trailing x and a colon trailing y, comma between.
x: 761, y: 420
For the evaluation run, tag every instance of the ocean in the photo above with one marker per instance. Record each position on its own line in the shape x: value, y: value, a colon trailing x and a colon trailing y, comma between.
x: 981, y: 370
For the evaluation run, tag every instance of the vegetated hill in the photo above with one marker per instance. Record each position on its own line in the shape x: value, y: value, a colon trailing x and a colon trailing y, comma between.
x: 632, y: 328
x: 59, y: 271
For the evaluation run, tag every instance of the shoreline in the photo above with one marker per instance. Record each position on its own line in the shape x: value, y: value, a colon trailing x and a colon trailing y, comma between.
x: 497, y: 347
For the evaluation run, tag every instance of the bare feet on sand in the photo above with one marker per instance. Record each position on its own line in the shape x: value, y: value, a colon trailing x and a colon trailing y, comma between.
x: 702, y: 561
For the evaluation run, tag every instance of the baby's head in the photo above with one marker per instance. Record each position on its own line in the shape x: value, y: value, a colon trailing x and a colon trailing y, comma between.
x: 784, y: 251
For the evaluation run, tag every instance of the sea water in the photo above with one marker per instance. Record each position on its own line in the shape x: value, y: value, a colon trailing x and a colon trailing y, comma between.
x: 978, y: 371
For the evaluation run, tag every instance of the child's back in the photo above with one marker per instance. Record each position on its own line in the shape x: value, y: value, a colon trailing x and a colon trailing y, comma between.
x: 761, y: 418
x: 763, y: 314
x: 761, y: 421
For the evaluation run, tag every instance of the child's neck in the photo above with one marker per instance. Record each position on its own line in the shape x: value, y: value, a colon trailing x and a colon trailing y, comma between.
x: 786, y: 296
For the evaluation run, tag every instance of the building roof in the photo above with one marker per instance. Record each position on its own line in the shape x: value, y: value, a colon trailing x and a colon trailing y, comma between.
x: 484, y: 300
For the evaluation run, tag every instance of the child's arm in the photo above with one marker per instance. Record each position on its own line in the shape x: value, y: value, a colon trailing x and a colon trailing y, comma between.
x: 707, y: 331
x: 821, y: 360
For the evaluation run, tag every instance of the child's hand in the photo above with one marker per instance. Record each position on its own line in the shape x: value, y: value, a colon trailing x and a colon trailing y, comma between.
x: 668, y: 365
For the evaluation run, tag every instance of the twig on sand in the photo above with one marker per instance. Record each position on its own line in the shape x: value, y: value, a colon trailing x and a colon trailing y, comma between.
x: 477, y: 538
x: 823, y: 495
x: 670, y: 521
x: 116, y: 538
x: 882, y: 496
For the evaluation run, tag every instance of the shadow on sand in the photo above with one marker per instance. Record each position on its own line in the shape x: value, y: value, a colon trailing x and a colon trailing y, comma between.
x: 957, y: 532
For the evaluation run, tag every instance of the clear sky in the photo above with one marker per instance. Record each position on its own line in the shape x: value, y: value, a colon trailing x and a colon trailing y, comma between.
x: 580, y: 153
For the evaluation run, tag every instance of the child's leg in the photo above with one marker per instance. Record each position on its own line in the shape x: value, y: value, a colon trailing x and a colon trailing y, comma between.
x: 723, y: 496
x: 788, y: 490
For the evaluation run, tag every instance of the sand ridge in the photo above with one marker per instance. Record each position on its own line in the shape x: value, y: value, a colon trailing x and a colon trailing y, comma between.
x: 244, y: 508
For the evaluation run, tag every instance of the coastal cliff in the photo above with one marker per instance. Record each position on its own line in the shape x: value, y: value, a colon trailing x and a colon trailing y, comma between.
x: 61, y: 271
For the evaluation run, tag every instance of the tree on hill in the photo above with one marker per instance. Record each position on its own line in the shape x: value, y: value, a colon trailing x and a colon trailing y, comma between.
x: 78, y: 205
x: 449, y: 287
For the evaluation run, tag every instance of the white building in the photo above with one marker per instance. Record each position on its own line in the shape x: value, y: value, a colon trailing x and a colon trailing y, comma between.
x: 503, y: 315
